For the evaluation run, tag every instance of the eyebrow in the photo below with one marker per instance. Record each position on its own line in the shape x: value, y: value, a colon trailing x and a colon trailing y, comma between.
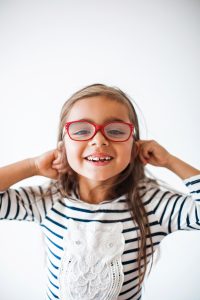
x: 112, y: 119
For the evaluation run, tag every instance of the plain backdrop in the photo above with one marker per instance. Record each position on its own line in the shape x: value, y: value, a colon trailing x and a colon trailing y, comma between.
x: 51, y: 48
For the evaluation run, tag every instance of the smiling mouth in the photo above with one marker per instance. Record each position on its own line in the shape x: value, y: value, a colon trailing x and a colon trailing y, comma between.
x: 98, y: 158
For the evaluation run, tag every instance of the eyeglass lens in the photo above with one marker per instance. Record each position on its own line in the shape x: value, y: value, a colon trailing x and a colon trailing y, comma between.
x: 84, y: 131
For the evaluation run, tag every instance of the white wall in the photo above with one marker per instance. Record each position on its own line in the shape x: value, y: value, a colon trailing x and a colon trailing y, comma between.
x: 49, y: 49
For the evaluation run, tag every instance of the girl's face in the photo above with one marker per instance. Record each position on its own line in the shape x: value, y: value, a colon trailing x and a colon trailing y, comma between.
x: 99, y: 110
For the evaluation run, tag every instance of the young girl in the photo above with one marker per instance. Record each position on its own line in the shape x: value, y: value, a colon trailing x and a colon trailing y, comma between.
x: 101, y: 216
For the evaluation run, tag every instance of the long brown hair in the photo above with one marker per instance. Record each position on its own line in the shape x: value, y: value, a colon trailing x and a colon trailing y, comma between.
x: 127, y: 181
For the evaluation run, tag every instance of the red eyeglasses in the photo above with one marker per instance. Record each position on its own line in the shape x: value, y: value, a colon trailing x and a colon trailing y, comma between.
x: 85, y: 130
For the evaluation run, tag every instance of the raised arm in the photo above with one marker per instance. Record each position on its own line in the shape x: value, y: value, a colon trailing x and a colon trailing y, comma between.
x: 16, y: 172
x: 28, y: 202
x: 150, y: 152
x: 181, y: 168
x: 41, y: 165
x: 173, y: 211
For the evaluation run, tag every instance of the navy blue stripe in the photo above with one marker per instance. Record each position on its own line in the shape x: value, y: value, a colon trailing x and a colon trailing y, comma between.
x: 130, y: 229
x: 56, y: 245
x: 17, y: 211
x: 56, y: 223
x: 58, y: 257
x: 188, y: 220
x: 94, y: 211
x: 88, y: 220
x: 170, y: 217
x: 43, y: 200
x: 55, y: 267
x: 151, y: 198
x: 179, y: 213
x: 49, y: 297
x: 156, y: 234
x: 29, y: 201
x: 132, y: 271
x: 194, y: 192
x: 56, y: 234
x: 8, y: 205
x: 193, y: 182
x: 193, y: 227
x: 53, y: 283
x: 137, y: 228
x: 53, y: 274
x: 25, y: 216
x: 160, y: 201
x: 1, y: 197
x: 52, y: 201
x: 19, y: 199
x: 196, y: 215
x: 165, y: 209
x: 137, y: 249
x: 125, y: 292
x: 132, y: 297
x: 131, y: 280
x: 53, y: 293
x: 151, y: 235
x: 127, y: 262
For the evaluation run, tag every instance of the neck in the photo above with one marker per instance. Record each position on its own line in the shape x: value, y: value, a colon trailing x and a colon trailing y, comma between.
x: 91, y: 192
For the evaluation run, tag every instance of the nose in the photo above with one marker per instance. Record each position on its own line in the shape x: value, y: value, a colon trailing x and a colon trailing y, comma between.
x: 98, y: 139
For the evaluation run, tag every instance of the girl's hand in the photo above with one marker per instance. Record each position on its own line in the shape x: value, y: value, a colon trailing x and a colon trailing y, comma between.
x: 58, y: 164
x: 149, y: 151
x: 49, y: 163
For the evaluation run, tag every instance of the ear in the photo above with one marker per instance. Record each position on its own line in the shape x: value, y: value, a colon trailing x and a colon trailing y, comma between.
x: 137, y: 148
x: 134, y: 151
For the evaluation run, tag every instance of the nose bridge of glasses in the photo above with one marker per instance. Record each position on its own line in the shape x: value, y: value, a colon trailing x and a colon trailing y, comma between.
x: 99, y: 129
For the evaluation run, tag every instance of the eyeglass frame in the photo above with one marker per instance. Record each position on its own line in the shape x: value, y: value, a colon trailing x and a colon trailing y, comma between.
x: 101, y: 129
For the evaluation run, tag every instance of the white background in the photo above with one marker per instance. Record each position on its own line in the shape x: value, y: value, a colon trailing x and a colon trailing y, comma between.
x: 49, y: 49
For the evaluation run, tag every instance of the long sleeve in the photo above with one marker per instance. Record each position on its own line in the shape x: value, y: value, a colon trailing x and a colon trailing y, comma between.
x: 175, y: 211
x: 27, y: 203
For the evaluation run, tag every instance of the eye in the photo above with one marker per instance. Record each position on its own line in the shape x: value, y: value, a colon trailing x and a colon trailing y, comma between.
x: 81, y: 132
x: 115, y: 132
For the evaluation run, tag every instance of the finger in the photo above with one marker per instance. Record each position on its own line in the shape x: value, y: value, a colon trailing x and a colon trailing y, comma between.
x: 60, y: 169
x: 63, y: 171
x: 141, y: 157
x: 140, y: 142
x: 58, y: 155
x: 57, y: 165
x: 56, y: 161
x: 60, y: 145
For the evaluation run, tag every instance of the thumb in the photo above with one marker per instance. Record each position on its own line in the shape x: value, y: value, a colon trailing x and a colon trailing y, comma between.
x: 57, y: 152
x: 60, y: 145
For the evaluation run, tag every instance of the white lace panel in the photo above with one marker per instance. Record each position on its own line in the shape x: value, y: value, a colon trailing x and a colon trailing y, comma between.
x: 91, y: 267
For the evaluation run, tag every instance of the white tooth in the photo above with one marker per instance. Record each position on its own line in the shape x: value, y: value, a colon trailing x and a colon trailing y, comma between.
x: 91, y: 158
x: 96, y: 158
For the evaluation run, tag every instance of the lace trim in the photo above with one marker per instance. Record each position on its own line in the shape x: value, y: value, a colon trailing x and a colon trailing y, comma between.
x: 91, y: 267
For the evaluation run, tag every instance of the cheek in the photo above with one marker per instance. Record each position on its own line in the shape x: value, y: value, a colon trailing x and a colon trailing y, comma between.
x: 126, y: 152
x: 74, y: 151
x: 125, y: 158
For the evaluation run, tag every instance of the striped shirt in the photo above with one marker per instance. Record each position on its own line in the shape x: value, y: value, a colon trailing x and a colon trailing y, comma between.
x: 87, y: 244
